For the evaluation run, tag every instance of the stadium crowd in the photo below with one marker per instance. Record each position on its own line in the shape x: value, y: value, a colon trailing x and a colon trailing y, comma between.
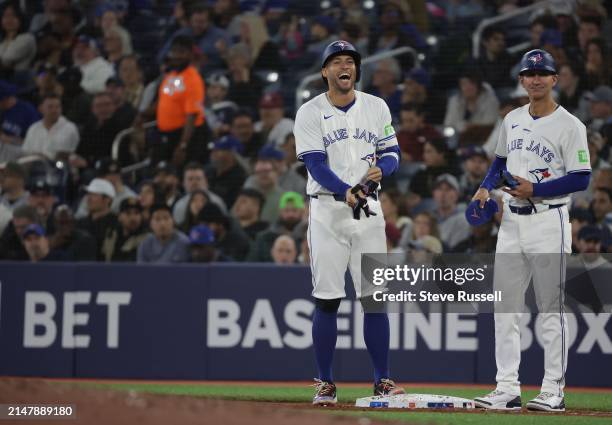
x: 202, y: 94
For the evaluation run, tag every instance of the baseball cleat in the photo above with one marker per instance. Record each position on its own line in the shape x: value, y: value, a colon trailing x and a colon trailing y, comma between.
x: 499, y: 400
x: 547, y: 402
x: 387, y: 387
x: 325, y: 395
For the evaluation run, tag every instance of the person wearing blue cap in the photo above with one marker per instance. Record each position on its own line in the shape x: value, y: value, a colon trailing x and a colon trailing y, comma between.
x: 202, y: 246
x: 37, y: 246
x: 16, y: 117
x: 225, y: 175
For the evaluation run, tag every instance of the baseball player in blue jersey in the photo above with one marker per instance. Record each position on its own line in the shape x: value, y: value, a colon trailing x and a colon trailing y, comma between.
x: 544, y: 149
x: 348, y: 144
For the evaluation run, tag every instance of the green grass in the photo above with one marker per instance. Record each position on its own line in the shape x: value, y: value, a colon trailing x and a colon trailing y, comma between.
x: 582, y: 400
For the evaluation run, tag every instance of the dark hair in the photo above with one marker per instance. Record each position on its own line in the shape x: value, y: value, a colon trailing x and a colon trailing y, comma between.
x: 601, y: 43
x: 23, y: 20
x: 490, y: 31
x: 27, y: 211
x: 352, y: 29
x: 440, y: 146
x: 254, y: 194
x: 211, y: 213
x: 417, y: 108
x: 190, y: 219
x: 472, y: 74
x: 193, y: 165
x: 592, y: 19
x: 605, y: 190
x: 183, y: 41
x: 199, y: 7
x: 242, y: 112
x: 160, y: 207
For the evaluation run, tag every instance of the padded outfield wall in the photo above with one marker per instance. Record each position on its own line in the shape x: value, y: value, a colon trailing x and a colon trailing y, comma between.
x: 242, y: 322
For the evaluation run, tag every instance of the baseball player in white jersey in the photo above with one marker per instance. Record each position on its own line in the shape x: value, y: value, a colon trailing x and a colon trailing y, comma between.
x: 348, y: 144
x: 544, y: 148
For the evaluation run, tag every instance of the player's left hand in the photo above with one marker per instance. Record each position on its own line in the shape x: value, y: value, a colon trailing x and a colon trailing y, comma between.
x: 374, y: 173
x: 524, y: 189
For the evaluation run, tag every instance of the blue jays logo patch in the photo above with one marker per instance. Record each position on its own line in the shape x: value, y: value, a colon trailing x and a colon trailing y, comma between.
x: 537, y: 58
x: 369, y: 158
x: 540, y: 174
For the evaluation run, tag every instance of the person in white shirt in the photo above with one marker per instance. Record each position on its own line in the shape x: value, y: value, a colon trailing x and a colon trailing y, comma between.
x: 273, y: 127
x: 95, y: 69
x: 53, y: 136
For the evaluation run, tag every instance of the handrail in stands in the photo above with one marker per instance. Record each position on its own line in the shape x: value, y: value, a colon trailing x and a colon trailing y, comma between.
x: 119, y: 138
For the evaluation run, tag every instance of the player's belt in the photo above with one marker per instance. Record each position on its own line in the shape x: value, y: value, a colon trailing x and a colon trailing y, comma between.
x: 528, y: 209
x: 341, y: 198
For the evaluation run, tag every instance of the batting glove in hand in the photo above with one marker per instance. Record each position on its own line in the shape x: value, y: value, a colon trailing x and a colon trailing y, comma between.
x: 361, y: 191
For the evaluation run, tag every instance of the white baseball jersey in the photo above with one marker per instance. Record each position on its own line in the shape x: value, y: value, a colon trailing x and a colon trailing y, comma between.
x: 352, y: 140
x: 543, y: 149
x: 534, y: 246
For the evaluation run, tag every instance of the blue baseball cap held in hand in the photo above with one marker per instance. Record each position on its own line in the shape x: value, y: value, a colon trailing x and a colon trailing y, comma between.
x: 477, y: 216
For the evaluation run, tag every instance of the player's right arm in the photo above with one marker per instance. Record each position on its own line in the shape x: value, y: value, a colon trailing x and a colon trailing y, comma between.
x: 499, y: 163
x: 310, y: 149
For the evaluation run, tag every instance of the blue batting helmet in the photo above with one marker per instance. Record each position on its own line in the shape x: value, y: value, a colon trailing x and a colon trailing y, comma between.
x: 538, y: 60
x: 341, y: 47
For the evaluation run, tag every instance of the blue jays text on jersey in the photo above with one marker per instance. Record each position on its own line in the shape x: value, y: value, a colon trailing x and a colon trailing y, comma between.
x: 531, y: 146
x: 342, y: 134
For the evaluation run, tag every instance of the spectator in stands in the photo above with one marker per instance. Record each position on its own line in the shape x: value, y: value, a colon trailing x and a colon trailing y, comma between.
x: 475, y: 167
x: 245, y: 86
x: 417, y: 85
x: 197, y: 201
x: 291, y: 162
x: 110, y: 21
x: 264, y: 52
x: 387, y: 75
x: 125, y: 113
x: 230, y: 240
x: 590, y: 245
x: 202, y: 247
x: 602, y: 207
x: 131, y: 75
x: 495, y: 62
x: 47, y: 83
x: 436, y: 160
x: 481, y: 240
x: 5, y: 217
x: 101, y: 220
x: 225, y: 12
x: 247, y: 211
x: 166, y: 179
x: 579, y: 217
x: 414, y: 132
x: 16, y: 116
x: 194, y: 178
x: 149, y: 195
x: 180, y: 108
x: 98, y: 133
x: 597, y: 64
x: 589, y: 28
x: 601, y: 108
x: 209, y: 39
x: 17, y: 45
x: 473, y: 111
x: 95, y: 69
x: 76, y: 103
x: 284, y: 250
x: 266, y: 181
x: 395, y: 31
x: 243, y: 129
x: 451, y: 220
x: 291, y: 41
x: 423, y: 224
x: 57, y: 38
x: 290, y: 222
x: 13, y: 193
x: 322, y: 32
x: 11, y: 247
x: 273, y: 126
x: 219, y: 110
x: 114, y: 47
x: 595, y: 143
x: 288, y: 179
x: 121, y: 243
x: 37, y: 246
x: 74, y: 244
x: 571, y: 91
x: 53, y: 136
x: 165, y: 244
x: 109, y: 169
x: 42, y: 198
x: 40, y: 19
x: 226, y: 176
x: 391, y: 204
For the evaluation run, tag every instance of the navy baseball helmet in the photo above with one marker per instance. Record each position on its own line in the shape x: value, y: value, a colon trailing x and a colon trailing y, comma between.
x: 341, y: 47
x: 477, y: 216
x: 538, y: 60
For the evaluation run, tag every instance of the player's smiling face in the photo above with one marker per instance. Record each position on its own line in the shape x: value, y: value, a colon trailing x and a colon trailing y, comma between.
x: 538, y: 84
x: 341, y: 73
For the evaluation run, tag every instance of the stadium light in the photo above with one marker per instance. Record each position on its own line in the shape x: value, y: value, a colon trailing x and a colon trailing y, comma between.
x: 272, y: 77
x: 325, y: 4
x: 369, y: 4
x: 449, y: 132
x: 306, y: 94
x: 432, y: 40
